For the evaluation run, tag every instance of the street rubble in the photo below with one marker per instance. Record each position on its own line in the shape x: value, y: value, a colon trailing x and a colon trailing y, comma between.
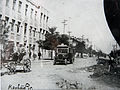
x: 99, y: 73
x: 83, y: 74
x: 66, y: 84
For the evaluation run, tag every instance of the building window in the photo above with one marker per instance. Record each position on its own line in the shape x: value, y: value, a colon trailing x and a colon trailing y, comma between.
x: 7, y: 2
x: 0, y: 24
x: 44, y: 17
x: 41, y: 17
x: 12, y: 25
x: 35, y: 15
x: 33, y: 47
x: 30, y: 46
x: 30, y: 30
x: 40, y: 32
x: 25, y: 29
x: 18, y: 27
x: 6, y: 21
x: 47, y: 19
x: 24, y: 43
x: 34, y: 32
x: 26, y: 9
x: 31, y: 13
x: 19, y: 6
x: 14, y: 4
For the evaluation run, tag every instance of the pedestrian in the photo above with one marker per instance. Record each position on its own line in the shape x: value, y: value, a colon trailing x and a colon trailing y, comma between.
x: 30, y: 54
x: 111, y: 63
x: 39, y: 54
x: 34, y: 56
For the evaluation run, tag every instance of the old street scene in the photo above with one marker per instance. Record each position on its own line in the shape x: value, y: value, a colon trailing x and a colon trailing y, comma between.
x: 59, y: 45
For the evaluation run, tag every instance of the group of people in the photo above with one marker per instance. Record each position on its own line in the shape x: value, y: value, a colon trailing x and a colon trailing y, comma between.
x: 34, y: 55
x: 29, y: 53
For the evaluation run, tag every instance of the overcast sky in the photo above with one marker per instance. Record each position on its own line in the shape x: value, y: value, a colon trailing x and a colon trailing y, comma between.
x: 85, y: 17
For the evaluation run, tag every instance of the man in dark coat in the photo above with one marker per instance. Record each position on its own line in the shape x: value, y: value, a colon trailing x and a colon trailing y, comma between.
x: 39, y: 54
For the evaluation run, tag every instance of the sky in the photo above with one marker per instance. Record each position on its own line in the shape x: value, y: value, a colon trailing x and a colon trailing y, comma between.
x: 84, y: 17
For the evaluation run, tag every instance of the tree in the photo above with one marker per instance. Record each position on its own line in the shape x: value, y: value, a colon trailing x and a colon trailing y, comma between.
x: 51, y: 40
x: 80, y: 47
x: 64, y: 39
x: 94, y: 52
x: 40, y: 44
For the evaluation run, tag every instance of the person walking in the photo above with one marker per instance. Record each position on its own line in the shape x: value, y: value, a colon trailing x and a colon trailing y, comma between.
x: 30, y: 54
x: 34, y: 55
x: 39, y: 55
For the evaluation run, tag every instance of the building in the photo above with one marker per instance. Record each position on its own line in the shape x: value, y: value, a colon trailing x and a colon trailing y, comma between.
x: 27, y: 22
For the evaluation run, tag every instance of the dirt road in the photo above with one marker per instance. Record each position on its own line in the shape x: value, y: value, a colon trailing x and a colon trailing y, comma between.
x: 45, y: 75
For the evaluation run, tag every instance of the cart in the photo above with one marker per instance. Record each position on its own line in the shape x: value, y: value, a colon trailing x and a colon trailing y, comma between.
x: 17, y: 62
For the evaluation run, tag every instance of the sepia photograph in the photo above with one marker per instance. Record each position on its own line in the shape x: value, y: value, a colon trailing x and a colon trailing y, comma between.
x: 59, y: 45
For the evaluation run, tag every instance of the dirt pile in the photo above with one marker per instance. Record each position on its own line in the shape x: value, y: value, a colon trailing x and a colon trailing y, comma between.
x: 101, y: 73
x: 98, y: 70
x: 73, y: 85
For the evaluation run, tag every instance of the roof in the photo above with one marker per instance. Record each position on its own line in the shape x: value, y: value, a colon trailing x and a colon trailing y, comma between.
x: 62, y: 45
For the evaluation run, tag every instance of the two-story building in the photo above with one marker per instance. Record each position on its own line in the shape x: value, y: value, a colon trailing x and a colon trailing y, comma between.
x: 27, y: 23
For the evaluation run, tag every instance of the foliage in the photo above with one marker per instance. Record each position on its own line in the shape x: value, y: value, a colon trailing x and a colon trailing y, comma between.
x: 64, y: 39
x: 51, y: 40
x: 40, y: 43
x: 80, y: 47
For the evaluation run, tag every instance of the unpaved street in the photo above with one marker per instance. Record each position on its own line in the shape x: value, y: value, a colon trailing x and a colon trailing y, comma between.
x: 45, y: 75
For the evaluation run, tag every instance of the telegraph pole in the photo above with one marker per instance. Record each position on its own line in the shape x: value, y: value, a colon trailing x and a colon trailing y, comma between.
x: 64, y: 23
x: 82, y: 37
x: 69, y: 32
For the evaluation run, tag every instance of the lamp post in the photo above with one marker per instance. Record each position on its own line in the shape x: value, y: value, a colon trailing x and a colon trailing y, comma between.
x: 64, y: 23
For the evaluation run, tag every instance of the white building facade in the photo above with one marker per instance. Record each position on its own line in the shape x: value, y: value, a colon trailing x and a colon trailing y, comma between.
x: 27, y: 23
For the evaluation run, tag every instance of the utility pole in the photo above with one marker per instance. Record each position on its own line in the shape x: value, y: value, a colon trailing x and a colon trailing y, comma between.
x: 64, y: 23
x: 69, y: 32
x: 82, y: 37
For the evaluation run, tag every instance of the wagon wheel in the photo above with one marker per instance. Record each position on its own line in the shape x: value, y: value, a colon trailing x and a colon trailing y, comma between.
x: 11, y: 68
x: 27, y: 65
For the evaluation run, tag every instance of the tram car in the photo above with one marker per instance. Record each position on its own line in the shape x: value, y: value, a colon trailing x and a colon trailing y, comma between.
x: 64, y: 54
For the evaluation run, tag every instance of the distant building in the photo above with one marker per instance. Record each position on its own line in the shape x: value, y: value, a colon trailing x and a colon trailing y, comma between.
x: 27, y: 22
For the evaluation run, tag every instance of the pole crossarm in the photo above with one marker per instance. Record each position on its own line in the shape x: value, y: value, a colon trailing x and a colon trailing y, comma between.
x: 64, y: 23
